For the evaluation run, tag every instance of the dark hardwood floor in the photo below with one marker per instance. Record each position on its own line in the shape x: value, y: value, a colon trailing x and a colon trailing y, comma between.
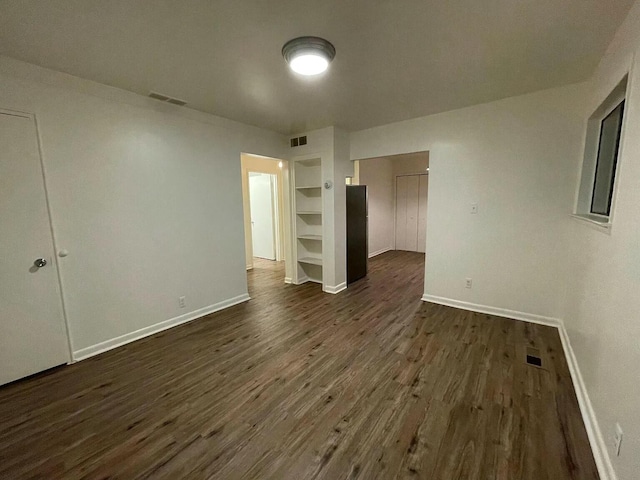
x: 295, y: 384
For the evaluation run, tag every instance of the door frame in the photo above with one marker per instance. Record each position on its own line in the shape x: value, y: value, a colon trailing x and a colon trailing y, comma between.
x: 56, y: 264
x: 285, y: 226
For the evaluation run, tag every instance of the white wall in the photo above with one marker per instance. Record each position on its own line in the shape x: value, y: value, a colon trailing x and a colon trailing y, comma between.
x: 377, y: 175
x: 602, y: 313
x: 145, y: 196
x: 515, y: 158
x: 342, y: 168
x: 520, y: 158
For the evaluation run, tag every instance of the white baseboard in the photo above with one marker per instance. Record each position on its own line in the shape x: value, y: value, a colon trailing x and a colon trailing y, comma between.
x: 500, y: 312
x: 337, y: 289
x: 158, y: 327
x: 380, y: 252
x: 249, y: 267
x: 288, y: 280
x: 596, y: 440
x: 598, y: 445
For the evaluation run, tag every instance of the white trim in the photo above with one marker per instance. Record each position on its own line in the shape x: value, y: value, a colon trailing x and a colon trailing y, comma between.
x: 288, y: 280
x: 337, y: 289
x: 596, y: 440
x: 598, y: 446
x: 602, y: 226
x: 249, y: 267
x: 301, y: 280
x: 54, y: 241
x: 380, y: 252
x: 158, y: 327
x: 500, y: 312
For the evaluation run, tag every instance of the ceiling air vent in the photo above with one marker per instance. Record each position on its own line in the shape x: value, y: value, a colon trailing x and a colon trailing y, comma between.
x: 164, y: 98
x: 175, y: 101
x: 298, y: 141
x: 157, y: 96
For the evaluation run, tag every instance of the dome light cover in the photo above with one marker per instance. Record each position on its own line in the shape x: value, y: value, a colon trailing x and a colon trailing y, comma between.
x: 308, y: 55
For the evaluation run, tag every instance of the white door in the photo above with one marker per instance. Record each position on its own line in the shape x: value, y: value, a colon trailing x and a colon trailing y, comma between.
x: 411, y: 200
x: 422, y: 212
x: 32, y: 332
x: 413, y: 188
x: 261, y: 202
x: 401, y: 213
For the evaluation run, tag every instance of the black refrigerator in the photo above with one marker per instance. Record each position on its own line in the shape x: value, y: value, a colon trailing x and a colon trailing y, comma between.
x: 357, y: 225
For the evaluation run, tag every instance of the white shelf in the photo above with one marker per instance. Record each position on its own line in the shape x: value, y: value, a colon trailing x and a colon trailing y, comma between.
x: 309, y: 187
x: 311, y: 260
x: 310, y: 237
x: 309, y: 212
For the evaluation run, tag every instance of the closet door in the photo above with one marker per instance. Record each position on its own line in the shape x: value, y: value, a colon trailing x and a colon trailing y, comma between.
x: 422, y: 212
x: 413, y: 190
x: 401, y: 213
x: 411, y: 212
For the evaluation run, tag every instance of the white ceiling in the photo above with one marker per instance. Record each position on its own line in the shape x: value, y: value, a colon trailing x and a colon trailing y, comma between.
x: 396, y: 59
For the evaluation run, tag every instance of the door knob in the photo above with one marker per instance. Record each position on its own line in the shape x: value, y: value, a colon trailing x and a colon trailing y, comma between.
x: 40, y: 262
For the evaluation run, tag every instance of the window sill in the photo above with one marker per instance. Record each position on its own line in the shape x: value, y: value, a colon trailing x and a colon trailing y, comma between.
x: 602, y: 225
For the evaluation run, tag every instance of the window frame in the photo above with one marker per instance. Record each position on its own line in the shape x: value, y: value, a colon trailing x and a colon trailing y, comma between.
x: 588, y: 167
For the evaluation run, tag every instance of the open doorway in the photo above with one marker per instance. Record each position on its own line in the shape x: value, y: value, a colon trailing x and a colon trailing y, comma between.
x: 398, y: 191
x: 266, y: 209
x: 263, y: 205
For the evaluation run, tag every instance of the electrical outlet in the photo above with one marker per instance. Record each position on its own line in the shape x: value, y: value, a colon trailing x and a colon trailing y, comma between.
x: 617, y: 440
x: 468, y: 283
x: 181, y: 302
x: 474, y: 208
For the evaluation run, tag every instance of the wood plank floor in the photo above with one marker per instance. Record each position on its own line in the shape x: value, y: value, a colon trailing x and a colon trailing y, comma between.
x: 295, y: 384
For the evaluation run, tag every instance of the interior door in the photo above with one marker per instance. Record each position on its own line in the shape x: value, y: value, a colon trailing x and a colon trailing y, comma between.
x: 413, y: 189
x: 422, y: 212
x: 32, y: 332
x: 401, y: 213
x: 262, y: 215
x: 411, y: 212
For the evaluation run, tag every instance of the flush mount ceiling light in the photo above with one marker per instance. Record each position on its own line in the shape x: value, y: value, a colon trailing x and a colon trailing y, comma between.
x: 308, y: 55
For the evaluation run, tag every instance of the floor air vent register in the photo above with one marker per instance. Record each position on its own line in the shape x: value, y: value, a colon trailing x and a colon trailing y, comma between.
x: 533, y: 357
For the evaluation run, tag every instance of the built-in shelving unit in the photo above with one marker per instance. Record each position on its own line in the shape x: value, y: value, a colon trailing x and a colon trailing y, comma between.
x: 308, y: 224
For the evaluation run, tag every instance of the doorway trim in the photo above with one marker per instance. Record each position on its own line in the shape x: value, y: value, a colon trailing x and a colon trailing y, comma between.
x: 284, y: 229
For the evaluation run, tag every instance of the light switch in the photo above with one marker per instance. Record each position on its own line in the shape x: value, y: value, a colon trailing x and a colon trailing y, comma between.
x: 474, y: 208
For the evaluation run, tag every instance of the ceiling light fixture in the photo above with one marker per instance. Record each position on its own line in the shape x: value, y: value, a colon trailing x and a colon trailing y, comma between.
x: 308, y: 55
